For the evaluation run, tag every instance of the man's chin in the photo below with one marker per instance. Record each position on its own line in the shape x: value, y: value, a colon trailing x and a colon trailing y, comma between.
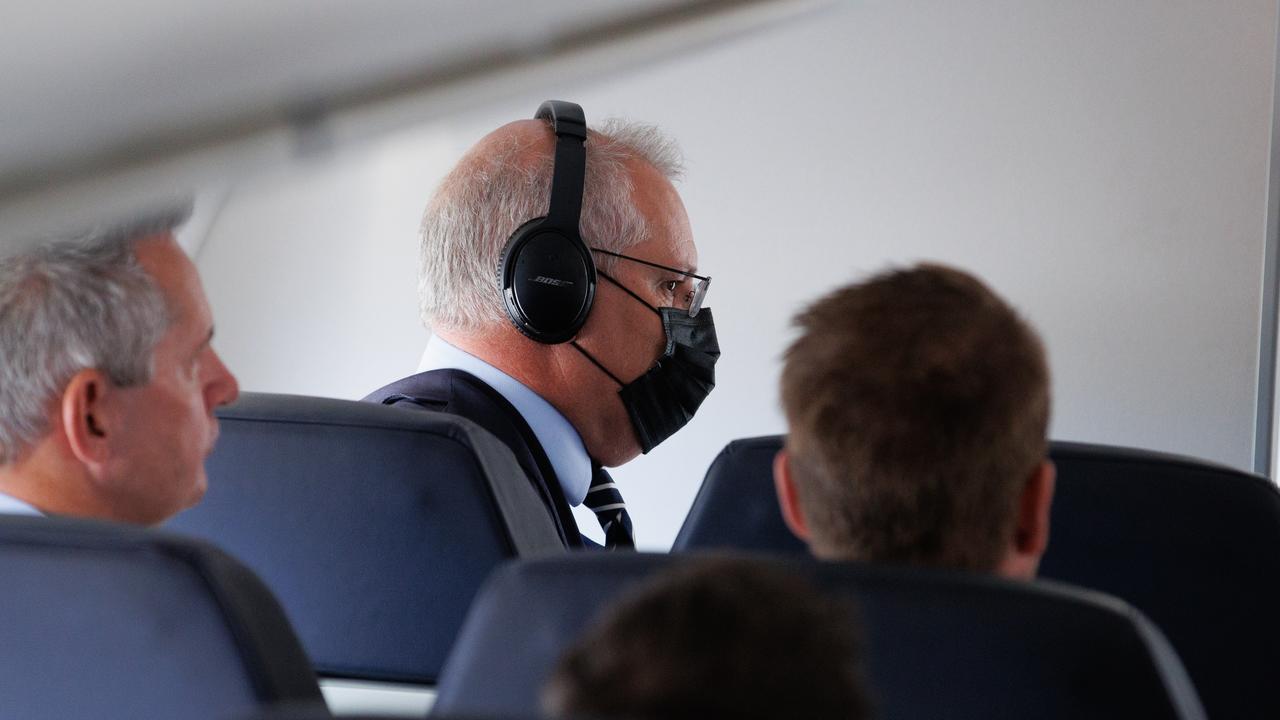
x: 198, y: 489
x: 615, y: 456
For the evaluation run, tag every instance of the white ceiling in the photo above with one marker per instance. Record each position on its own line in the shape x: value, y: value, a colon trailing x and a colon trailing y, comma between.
x: 93, y: 91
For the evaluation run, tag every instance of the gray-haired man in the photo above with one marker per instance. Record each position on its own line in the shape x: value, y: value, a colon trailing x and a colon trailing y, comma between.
x: 108, y: 381
x: 632, y: 375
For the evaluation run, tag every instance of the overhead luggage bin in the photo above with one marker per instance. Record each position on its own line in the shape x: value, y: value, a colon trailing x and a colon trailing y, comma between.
x: 181, y: 95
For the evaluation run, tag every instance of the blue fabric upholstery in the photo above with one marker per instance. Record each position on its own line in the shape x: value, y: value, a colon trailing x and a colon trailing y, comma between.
x: 1195, y: 546
x: 374, y: 525
x: 117, y: 623
x: 322, y: 714
x: 938, y: 644
x: 736, y: 507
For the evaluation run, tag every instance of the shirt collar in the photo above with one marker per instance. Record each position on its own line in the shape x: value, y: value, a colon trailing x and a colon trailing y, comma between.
x: 10, y: 505
x: 559, y: 440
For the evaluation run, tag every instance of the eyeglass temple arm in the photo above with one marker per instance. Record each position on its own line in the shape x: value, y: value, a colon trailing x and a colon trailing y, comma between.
x: 704, y: 278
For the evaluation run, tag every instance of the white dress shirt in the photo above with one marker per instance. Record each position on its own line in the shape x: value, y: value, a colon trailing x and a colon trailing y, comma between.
x: 559, y: 440
x: 10, y: 505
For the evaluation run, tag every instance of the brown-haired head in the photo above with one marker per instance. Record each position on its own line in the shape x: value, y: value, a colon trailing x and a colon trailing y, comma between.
x: 918, y: 406
x: 719, y: 638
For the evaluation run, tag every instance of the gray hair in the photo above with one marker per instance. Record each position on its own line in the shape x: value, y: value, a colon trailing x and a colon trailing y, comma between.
x: 486, y: 197
x: 71, y: 304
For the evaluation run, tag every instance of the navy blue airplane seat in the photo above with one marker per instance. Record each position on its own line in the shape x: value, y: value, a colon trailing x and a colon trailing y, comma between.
x: 327, y: 715
x: 938, y: 644
x: 323, y: 714
x: 736, y: 507
x: 1195, y: 546
x: 119, y: 623
x: 374, y: 525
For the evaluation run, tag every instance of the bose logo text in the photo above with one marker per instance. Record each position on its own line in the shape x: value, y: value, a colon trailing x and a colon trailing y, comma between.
x: 553, y: 282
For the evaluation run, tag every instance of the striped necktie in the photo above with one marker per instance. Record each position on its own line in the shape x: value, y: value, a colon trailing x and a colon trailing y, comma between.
x: 606, y: 502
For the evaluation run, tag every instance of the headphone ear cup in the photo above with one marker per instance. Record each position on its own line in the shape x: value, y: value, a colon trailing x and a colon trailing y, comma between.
x: 548, y: 279
x: 500, y: 270
x: 507, y: 280
x: 547, y: 275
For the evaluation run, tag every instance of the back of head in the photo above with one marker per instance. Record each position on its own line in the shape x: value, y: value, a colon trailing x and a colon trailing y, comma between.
x: 917, y: 403
x: 71, y: 304
x: 718, y: 638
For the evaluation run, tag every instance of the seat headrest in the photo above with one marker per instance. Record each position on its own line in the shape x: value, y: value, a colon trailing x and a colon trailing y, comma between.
x: 374, y: 525
x: 1194, y: 545
x: 736, y: 507
x: 1191, y: 543
x: 109, y: 621
x: 939, y: 644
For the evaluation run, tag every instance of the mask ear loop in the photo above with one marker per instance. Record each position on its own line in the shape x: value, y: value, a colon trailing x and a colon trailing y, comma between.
x: 586, y: 354
x: 595, y: 362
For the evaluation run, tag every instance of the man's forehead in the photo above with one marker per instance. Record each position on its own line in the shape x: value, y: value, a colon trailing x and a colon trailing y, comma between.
x: 671, y: 239
x: 157, y: 249
x: 163, y: 260
x: 172, y: 270
x: 685, y: 254
x: 682, y: 256
x: 667, y: 251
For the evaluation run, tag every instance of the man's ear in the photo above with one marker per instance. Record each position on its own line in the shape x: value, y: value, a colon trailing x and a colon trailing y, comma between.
x: 83, y: 418
x: 788, y: 497
x: 1031, y: 533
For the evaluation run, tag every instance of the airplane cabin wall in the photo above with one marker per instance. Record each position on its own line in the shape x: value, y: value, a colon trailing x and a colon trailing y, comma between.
x: 1102, y: 165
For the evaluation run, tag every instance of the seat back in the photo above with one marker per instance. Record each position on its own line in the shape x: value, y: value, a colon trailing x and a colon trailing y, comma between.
x: 322, y: 714
x: 325, y: 715
x: 119, y: 623
x: 736, y: 507
x: 374, y: 525
x: 1195, y: 546
x: 938, y: 644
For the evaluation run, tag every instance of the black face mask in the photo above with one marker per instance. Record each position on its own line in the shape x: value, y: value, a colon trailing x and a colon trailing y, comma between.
x: 664, y: 399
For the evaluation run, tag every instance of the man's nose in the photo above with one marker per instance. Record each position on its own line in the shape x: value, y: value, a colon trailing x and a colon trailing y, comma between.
x: 225, y: 386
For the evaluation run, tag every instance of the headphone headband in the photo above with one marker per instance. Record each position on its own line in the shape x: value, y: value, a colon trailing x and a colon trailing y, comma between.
x: 567, y: 179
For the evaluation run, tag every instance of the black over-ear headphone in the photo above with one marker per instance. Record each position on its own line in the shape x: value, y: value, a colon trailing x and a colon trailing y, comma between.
x: 547, y: 273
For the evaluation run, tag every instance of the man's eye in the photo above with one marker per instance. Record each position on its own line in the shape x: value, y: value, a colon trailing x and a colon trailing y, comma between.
x: 671, y: 285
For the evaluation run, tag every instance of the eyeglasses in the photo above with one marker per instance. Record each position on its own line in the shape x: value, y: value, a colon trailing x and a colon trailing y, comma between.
x: 700, y: 285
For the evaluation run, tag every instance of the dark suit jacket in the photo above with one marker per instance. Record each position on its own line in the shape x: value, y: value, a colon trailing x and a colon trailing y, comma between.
x: 463, y: 394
